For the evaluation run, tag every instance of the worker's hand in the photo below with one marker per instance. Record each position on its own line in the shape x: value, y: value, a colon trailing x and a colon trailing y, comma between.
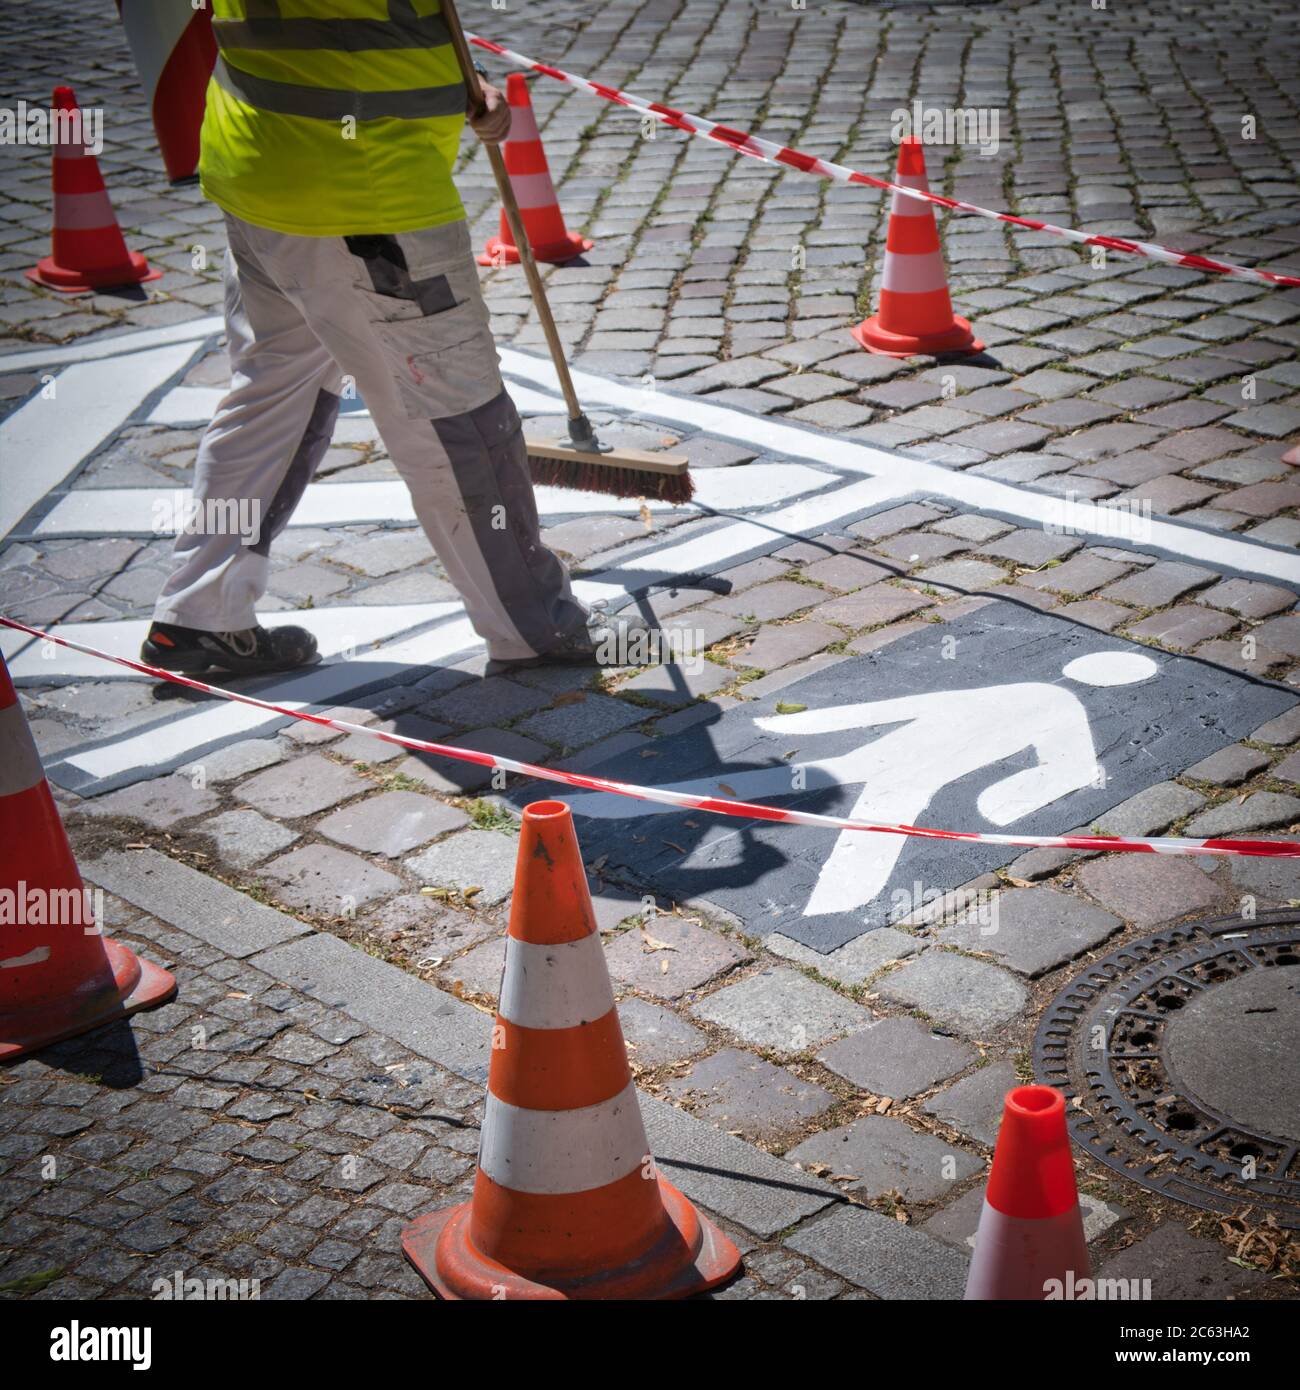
x: 491, y: 123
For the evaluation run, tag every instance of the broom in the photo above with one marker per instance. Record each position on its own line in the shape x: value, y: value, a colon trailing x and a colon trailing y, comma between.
x: 584, y: 463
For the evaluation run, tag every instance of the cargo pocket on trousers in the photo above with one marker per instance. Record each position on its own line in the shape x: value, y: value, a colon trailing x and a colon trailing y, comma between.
x: 445, y: 364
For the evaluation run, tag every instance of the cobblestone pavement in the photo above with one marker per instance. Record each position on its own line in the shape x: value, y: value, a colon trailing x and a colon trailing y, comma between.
x: 283, y: 1118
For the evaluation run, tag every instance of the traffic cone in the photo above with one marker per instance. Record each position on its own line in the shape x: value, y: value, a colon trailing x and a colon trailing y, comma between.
x: 58, y: 975
x: 88, y: 250
x: 567, y: 1202
x: 530, y: 177
x: 1031, y: 1229
x: 174, y: 52
x: 916, y: 314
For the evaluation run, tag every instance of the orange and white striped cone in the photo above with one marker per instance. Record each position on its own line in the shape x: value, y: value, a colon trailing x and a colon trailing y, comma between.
x: 530, y: 177
x: 915, y: 315
x: 88, y: 251
x: 567, y: 1202
x: 1031, y: 1229
x: 174, y: 52
x: 58, y: 975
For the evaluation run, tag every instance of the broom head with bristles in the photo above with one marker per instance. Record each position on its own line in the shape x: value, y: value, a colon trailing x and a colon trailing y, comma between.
x: 617, y: 473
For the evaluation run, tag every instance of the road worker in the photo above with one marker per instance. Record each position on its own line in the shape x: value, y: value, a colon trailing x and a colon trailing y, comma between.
x: 329, y: 140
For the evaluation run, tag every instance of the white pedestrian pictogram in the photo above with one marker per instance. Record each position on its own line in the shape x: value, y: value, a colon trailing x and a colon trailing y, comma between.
x: 937, y: 738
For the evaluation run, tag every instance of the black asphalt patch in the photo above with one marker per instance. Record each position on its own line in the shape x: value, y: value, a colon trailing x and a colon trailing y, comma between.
x: 1143, y: 733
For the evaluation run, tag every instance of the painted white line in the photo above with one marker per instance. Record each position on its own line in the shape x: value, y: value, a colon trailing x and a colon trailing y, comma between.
x: 190, y: 332
x: 168, y: 745
x: 335, y: 629
x: 134, y: 511
x: 157, y: 750
x: 713, y: 550
x: 1220, y: 550
x: 43, y: 441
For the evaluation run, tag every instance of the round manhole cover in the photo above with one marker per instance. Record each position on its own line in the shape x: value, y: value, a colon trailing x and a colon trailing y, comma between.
x: 1180, y: 1054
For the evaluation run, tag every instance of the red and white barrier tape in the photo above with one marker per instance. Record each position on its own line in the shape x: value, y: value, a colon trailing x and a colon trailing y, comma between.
x: 758, y: 148
x: 748, y: 810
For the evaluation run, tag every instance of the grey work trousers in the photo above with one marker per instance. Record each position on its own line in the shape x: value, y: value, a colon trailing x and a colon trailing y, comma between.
x: 401, y: 317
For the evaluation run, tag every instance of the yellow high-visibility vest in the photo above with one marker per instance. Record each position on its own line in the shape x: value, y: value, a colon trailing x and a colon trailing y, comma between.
x: 333, y: 117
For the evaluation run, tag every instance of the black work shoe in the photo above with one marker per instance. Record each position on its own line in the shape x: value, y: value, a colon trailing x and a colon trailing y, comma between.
x: 252, y: 652
x: 606, y: 640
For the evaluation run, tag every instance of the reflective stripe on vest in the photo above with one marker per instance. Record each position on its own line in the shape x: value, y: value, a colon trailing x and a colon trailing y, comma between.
x: 336, y: 103
x: 341, y: 35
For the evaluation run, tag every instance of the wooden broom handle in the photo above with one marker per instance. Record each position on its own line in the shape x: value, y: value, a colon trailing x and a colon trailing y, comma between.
x: 511, y: 206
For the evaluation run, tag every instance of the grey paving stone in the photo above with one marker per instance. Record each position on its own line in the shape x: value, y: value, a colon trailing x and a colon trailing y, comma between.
x: 881, y: 603
x: 384, y: 553
x: 918, y: 548
x: 767, y: 602
x: 495, y: 700
x: 781, y: 1010
x: 327, y: 880
x: 422, y: 927
x: 744, y: 1094
x: 674, y: 686
x: 1248, y: 597
x: 846, y: 572
x: 852, y: 963
x: 1183, y: 626
x: 1031, y: 547
x: 968, y: 576
x: 453, y: 777
x: 235, y: 759
x: 1275, y: 880
x: 1151, y: 812
x: 160, y: 802
x: 1282, y: 730
x: 1080, y: 574
x: 1228, y: 766
x: 1034, y: 929
x: 1155, y: 890
x: 301, y: 787
x: 1282, y: 634
x: 671, y: 956
x: 973, y: 1105
x: 392, y: 822
x: 577, y: 725
x: 897, y: 1057
x: 479, y: 971
x: 431, y: 1023
x: 727, y: 1176
x: 1181, y: 1266
x: 877, y: 1254
x: 482, y: 859
x: 1162, y: 584
x: 193, y: 902
x: 894, y: 519
x: 778, y: 646
x: 1262, y: 811
x: 245, y: 838
x: 971, y: 526
x: 884, y: 1155
x: 655, y: 1035
x: 971, y: 996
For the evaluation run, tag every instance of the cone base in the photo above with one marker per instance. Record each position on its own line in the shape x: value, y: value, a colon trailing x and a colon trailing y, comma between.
x: 498, y: 252
x: 53, y: 276
x: 959, y: 338
x: 692, y: 1257
x: 137, y: 984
